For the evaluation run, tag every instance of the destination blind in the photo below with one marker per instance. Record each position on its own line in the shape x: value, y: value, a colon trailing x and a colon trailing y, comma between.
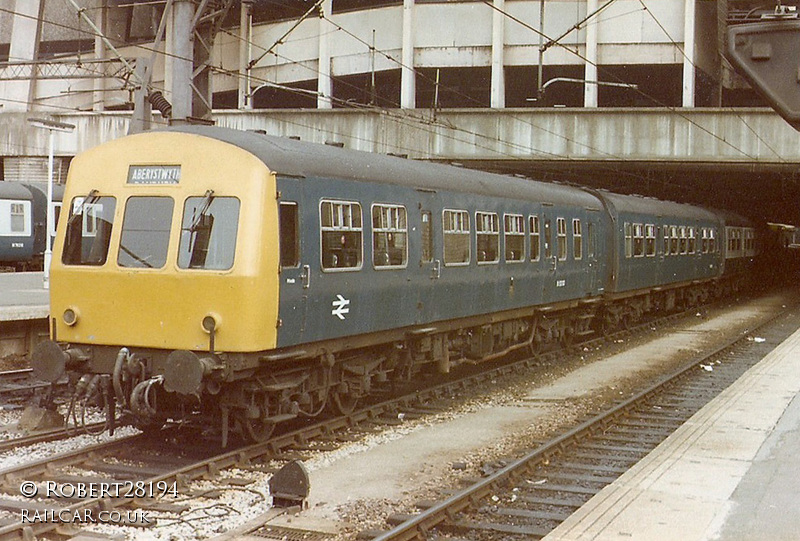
x: 154, y: 174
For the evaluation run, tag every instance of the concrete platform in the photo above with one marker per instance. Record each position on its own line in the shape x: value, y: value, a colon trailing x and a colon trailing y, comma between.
x: 731, y: 473
x: 23, y: 297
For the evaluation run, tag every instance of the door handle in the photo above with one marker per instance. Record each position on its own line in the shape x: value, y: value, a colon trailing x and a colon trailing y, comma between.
x: 436, y: 270
x: 305, y: 277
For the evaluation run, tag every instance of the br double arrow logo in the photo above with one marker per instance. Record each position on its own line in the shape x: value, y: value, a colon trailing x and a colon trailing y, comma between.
x: 340, y: 307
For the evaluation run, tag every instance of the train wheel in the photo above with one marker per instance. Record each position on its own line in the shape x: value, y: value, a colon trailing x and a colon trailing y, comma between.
x: 567, y: 338
x: 257, y: 430
x: 345, y: 403
x: 150, y: 426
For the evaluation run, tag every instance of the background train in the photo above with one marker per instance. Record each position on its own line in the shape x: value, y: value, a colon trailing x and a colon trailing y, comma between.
x: 23, y: 222
x: 251, y: 279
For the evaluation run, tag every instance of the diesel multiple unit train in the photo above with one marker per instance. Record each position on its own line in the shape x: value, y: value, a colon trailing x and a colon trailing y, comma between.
x: 250, y: 279
x: 23, y: 223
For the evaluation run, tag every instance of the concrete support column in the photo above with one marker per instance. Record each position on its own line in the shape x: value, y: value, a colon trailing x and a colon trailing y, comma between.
x: 101, y: 19
x: 182, y: 60
x: 408, y: 83
x: 245, y: 53
x: 688, y: 52
x: 26, y: 30
x: 590, y: 71
x: 498, y: 93
x: 324, y: 79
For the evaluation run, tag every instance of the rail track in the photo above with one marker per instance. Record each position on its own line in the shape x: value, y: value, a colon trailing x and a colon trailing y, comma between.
x: 18, y: 383
x: 154, y: 460
x: 534, y: 493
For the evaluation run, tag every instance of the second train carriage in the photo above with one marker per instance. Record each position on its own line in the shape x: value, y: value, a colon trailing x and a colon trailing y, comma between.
x: 255, y: 279
x: 23, y: 223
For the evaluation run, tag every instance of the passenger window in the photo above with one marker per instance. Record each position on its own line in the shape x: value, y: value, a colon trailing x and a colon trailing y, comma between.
x: 487, y: 228
x: 342, y: 231
x: 712, y: 240
x: 289, y: 223
x: 514, y: 237
x: 209, y: 230
x: 692, y: 240
x: 628, y: 240
x: 145, y: 232
x: 683, y: 240
x: 18, y: 217
x: 561, y: 223
x: 426, y: 231
x: 88, y: 231
x: 638, y: 240
x: 650, y: 240
x: 389, y: 236
x: 455, y: 224
x: 673, y: 244
x: 535, y: 237
x: 577, y: 239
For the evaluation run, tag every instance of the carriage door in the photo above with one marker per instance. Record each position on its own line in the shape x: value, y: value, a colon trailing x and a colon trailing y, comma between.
x: 429, y: 257
x: 549, y: 259
x: 592, y: 264
x: 295, y: 272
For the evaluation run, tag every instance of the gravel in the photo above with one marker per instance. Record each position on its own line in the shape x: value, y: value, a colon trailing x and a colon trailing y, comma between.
x: 208, y: 516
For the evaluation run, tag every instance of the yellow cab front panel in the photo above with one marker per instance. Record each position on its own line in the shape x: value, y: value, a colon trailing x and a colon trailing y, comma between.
x: 159, y: 232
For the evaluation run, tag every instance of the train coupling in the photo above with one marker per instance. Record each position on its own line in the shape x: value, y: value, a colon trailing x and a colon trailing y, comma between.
x: 50, y: 361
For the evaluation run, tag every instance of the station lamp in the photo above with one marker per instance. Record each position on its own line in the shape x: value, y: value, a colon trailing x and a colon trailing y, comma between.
x: 51, y: 126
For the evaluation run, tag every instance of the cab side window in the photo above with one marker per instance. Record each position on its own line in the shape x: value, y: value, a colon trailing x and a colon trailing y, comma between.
x: 289, y: 224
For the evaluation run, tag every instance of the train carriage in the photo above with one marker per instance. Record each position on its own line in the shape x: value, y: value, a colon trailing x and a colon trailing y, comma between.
x: 252, y: 279
x: 16, y: 223
x: 23, y: 222
x: 739, y: 249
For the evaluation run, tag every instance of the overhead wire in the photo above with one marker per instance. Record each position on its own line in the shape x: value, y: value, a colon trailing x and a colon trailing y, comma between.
x: 406, y: 118
x: 655, y: 100
x: 523, y: 148
x: 467, y: 97
x: 695, y: 66
x: 398, y: 115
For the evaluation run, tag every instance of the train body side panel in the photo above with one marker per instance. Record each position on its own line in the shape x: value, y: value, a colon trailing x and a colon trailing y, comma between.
x: 320, y: 304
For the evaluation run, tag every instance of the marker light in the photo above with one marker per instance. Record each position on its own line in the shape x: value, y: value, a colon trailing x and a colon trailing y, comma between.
x: 209, y: 323
x: 70, y: 317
